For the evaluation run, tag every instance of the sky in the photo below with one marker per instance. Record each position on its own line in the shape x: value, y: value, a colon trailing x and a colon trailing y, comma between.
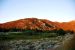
x: 54, y: 10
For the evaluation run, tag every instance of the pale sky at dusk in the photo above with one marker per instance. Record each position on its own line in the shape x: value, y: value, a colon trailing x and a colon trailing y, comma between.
x: 54, y: 10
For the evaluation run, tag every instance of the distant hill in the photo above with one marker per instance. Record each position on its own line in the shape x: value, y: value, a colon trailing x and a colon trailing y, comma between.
x: 38, y: 24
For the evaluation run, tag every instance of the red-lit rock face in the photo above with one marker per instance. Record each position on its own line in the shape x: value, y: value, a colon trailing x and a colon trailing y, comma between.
x: 68, y: 26
x: 40, y: 24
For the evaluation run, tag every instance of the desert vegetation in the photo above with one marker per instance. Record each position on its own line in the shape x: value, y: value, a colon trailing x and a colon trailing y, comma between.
x: 31, y: 39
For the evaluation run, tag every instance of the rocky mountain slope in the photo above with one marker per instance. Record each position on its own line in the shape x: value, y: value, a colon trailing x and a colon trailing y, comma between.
x: 39, y: 24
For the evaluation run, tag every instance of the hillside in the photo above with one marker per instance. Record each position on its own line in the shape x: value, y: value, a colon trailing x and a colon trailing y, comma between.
x: 30, y: 23
x: 38, y: 24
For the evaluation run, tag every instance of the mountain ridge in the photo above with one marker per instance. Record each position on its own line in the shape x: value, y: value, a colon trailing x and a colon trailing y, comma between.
x: 39, y: 24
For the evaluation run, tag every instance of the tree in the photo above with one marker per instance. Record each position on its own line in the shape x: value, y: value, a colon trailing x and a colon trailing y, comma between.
x: 61, y: 32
